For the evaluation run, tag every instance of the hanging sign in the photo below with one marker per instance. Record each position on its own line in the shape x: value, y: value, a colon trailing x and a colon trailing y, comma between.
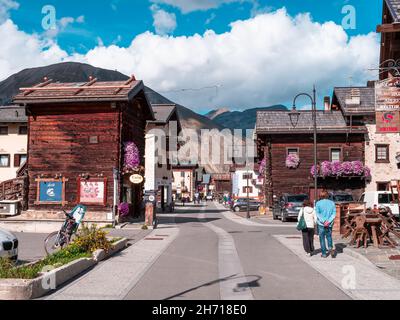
x: 136, y: 179
x: 387, y: 105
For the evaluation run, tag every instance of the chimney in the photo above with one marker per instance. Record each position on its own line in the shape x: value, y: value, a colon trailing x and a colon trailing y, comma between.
x: 327, y: 104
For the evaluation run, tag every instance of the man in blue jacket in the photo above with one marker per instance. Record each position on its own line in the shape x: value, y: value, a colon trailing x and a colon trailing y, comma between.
x: 325, y: 210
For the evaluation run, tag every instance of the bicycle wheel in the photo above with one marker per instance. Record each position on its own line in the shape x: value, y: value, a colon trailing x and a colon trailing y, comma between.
x: 54, y: 242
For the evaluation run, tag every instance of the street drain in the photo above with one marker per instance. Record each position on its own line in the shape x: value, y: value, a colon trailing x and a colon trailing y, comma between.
x: 394, y: 257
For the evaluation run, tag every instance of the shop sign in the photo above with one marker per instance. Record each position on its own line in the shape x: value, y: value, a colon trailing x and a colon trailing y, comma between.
x: 387, y: 105
x: 136, y: 179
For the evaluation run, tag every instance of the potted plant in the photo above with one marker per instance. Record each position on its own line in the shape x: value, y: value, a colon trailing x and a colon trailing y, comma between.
x: 292, y: 161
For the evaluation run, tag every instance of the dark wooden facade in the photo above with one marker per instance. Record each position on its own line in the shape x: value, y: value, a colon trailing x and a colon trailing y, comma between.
x: 280, y: 179
x: 83, y: 138
x: 390, y: 34
x: 222, y: 182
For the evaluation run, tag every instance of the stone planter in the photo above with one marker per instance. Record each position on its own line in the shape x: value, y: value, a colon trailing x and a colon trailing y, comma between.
x: 20, y: 289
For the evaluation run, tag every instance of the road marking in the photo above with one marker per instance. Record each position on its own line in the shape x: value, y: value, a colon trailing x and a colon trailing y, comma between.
x: 234, y: 283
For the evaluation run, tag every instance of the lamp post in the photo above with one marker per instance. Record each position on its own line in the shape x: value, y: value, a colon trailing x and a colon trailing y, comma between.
x: 248, y: 196
x: 293, y: 114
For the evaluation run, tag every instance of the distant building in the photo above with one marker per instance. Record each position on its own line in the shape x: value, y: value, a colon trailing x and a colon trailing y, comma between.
x: 158, y: 175
x: 246, y: 182
x: 185, y: 180
x: 13, y: 141
x: 222, y: 182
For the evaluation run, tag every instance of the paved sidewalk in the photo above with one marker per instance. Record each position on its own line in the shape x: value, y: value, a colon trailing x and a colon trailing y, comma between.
x: 357, y: 278
x: 115, y: 277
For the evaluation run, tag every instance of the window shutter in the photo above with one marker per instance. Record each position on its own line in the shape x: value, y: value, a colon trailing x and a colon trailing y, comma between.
x: 17, y: 160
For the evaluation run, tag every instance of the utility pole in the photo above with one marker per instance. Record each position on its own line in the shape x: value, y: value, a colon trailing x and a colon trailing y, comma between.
x: 248, y: 196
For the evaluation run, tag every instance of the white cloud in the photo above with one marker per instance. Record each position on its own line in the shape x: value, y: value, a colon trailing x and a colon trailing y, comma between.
x: 164, y: 22
x: 260, y: 61
x: 36, y: 52
x: 63, y: 23
x: 187, y: 6
x: 5, y: 7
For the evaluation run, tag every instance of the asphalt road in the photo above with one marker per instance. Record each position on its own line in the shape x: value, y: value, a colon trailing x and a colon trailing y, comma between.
x: 210, y: 245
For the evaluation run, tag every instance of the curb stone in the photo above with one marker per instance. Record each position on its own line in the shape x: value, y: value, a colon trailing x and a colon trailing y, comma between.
x: 23, y: 289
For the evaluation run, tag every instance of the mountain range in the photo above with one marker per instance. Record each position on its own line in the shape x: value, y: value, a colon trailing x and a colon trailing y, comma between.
x: 79, y: 72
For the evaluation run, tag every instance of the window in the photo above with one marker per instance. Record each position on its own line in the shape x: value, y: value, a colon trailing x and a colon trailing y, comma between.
x: 23, y: 130
x: 3, y: 130
x: 19, y: 160
x: 293, y: 151
x: 382, y: 186
x: 336, y: 154
x: 182, y: 174
x: 4, y: 160
x: 382, y: 153
x: 245, y: 189
x: 247, y: 176
x: 385, y: 198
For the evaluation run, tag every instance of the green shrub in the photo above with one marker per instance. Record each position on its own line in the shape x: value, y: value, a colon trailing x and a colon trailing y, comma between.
x: 87, y: 241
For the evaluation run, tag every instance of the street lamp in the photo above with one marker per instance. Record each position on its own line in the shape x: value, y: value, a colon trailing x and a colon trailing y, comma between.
x: 293, y: 115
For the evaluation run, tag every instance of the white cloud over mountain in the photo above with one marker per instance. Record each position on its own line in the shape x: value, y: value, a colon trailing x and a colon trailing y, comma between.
x: 260, y: 61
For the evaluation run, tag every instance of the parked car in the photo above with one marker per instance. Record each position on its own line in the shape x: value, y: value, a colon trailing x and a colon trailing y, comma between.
x: 8, y: 245
x: 209, y: 197
x: 341, y: 197
x: 241, y: 204
x: 288, y: 206
x: 381, y: 199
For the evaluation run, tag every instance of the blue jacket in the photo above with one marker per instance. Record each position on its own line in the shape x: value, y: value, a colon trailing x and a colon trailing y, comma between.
x: 326, y: 211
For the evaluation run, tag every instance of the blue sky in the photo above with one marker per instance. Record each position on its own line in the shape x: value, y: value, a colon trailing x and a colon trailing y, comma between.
x: 124, y: 19
x: 255, y: 52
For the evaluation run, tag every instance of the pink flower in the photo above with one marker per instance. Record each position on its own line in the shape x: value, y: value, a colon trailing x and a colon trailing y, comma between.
x: 367, y: 172
x: 326, y: 169
x: 132, y: 156
x: 358, y: 168
x: 292, y: 161
x: 263, y: 165
x: 347, y: 168
x: 337, y: 169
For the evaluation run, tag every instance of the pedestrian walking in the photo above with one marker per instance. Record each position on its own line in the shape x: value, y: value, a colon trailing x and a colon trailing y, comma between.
x: 325, y: 210
x: 308, y: 218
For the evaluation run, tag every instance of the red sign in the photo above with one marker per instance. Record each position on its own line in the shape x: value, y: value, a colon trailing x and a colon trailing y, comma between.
x: 387, y: 105
x: 92, y: 191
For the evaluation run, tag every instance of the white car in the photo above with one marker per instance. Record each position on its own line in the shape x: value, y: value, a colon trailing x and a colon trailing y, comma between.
x: 381, y: 199
x: 8, y: 245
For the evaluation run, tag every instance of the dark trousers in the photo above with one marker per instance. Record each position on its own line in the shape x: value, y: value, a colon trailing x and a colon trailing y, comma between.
x: 308, y: 240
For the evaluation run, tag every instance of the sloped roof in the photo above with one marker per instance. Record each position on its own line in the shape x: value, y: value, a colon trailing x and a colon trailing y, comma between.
x: 163, y: 113
x: 80, y: 91
x: 13, y: 114
x: 279, y: 122
x: 344, y: 96
x: 394, y: 8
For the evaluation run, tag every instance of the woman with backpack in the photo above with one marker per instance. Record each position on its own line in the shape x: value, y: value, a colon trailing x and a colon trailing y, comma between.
x: 307, y: 221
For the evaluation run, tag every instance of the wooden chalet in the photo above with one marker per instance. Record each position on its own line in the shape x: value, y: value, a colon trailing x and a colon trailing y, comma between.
x: 76, y: 137
x: 390, y: 30
x: 278, y: 137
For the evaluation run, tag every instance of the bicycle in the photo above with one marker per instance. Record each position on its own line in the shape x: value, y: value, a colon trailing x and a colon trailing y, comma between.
x: 57, y: 240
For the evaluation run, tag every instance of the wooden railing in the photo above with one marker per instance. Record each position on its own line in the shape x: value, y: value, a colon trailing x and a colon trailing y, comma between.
x: 14, y: 189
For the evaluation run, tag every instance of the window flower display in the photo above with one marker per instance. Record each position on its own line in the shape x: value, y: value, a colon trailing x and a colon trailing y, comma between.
x: 132, y: 156
x: 124, y: 209
x: 342, y: 169
x: 292, y: 161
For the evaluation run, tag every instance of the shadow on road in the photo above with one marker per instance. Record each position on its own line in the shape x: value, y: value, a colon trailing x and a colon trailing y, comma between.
x: 239, y: 287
